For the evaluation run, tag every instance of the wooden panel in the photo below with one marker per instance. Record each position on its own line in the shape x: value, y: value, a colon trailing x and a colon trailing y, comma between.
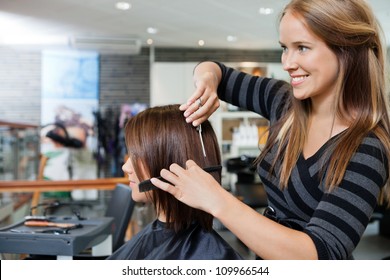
x: 65, y: 185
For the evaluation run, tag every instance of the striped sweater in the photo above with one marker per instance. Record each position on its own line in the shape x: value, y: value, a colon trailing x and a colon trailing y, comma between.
x: 335, y: 221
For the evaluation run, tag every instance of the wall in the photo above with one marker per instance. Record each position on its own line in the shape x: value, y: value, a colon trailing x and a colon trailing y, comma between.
x: 171, y: 82
x: 20, y: 85
x: 123, y: 79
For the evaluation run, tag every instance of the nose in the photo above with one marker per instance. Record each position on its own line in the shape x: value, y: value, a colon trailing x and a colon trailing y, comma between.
x: 289, y: 62
x: 125, y: 167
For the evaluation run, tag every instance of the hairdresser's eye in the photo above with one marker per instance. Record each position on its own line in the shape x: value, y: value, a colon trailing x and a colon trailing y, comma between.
x: 284, y: 48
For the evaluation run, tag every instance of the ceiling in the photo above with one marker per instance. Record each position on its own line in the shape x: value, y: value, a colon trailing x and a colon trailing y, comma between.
x: 180, y: 23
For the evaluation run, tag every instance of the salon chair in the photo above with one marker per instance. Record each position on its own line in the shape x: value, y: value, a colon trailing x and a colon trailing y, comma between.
x: 120, y: 207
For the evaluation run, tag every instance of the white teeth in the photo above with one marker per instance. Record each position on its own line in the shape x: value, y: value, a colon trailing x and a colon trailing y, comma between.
x: 300, y: 78
x: 297, y: 79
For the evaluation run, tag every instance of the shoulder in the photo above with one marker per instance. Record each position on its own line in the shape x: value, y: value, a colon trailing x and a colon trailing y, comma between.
x: 139, y: 245
x: 210, y: 245
x: 372, y: 146
x: 372, y: 156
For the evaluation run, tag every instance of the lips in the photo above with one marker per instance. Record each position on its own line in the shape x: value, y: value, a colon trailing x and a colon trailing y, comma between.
x: 296, y: 80
x: 132, y: 183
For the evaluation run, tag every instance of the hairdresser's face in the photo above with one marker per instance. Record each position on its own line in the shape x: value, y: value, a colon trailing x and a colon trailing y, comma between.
x: 312, y: 66
x: 134, y: 181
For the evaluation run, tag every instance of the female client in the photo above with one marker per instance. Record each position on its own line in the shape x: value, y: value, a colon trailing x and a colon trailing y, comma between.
x: 156, y: 138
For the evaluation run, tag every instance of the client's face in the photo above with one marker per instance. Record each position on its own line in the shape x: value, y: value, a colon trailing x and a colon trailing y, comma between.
x: 134, y: 181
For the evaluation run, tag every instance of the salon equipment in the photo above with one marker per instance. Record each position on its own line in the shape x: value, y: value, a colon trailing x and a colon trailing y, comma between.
x: 36, y: 218
x: 246, y: 188
x: 48, y: 224
x: 49, y: 207
x: 63, y: 243
x: 120, y: 209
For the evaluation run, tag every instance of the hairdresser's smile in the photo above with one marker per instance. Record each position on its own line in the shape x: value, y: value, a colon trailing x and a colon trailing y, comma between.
x: 297, y: 80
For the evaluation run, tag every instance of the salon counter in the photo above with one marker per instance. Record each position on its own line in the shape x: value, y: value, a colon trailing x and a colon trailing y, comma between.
x: 95, y: 233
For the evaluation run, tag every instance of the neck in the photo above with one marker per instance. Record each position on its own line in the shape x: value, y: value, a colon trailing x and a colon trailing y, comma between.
x: 323, y: 107
x: 161, y: 217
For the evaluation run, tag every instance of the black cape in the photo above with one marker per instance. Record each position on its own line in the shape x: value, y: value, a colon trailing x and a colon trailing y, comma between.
x: 156, y: 242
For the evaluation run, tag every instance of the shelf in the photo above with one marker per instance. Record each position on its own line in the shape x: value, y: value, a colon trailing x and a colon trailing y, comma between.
x: 239, y: 114
x: 226, y: 121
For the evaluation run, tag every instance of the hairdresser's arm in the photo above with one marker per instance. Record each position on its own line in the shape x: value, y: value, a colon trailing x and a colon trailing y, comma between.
x: 207, y: 76
x: 215, y: 81
x: 267, y: 239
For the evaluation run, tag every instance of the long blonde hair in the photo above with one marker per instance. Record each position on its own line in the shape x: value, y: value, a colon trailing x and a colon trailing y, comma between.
x: 352, y: 32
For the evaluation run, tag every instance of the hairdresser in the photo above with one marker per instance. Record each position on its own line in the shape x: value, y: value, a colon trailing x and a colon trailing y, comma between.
x: 326, y: 162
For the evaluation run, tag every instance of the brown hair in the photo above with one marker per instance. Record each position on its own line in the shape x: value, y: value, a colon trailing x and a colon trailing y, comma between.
x: 160, y: 136
x: 351, y: 31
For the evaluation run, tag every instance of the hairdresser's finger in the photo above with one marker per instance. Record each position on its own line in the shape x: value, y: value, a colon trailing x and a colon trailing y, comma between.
x: 180, y: 173
x: 191, y: 164
x: 192, y: 104
x: 165, y: 186
x: 169, y: 176
x: 210, y: 105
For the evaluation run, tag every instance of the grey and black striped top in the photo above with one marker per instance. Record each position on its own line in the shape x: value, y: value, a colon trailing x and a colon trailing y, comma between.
x: 335, y: 221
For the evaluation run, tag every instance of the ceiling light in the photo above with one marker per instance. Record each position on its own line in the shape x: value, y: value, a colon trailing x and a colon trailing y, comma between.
x: 266, y: 11
x: 37, y: 40
x: 152, y: 30
x: 231, y: 38
x: 149, y: 41
x: 123, y: 6
x: 201, y: 43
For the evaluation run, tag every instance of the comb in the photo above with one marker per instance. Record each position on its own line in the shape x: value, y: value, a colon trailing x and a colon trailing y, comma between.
x: 147, y: 185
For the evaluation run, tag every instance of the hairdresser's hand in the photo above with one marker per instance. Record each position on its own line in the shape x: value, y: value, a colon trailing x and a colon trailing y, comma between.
x: 192, y: 186
x: 204, y: 101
